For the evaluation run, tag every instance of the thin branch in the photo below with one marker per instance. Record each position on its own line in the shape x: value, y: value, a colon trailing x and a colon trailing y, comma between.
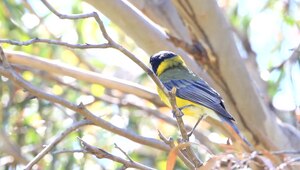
x: 128, y: 157
x: 100, y: 153
x: 285, y: 164
x: 53, y: 42
x: 171, y: 143
x: 292, y: 58
x: 198, y: 121
x: 281, y: 152
x: 178, y: 115
x: 56, y: 140
x: 68, y: 151
x: 202, y: 138
x: 256, y: 154
x: 79, y: 16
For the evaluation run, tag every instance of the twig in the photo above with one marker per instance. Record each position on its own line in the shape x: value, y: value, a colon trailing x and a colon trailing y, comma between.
x: 171, y: 143
x: 282, y: 152
x: 100, y: 153
x: 56, y: 140
x: 254, y: 154
x: 128, y: 157
x: 198, y: 121
x: 79, y: 16
x: 202, y: 138
x: 292, y: 58
x: 54, y: 42
x: 17, y: 79
x: 283, y: 165
x: 68, y: 151
x: 296, y: 152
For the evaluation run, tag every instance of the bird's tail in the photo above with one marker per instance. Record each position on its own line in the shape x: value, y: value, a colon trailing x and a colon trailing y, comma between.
x: 235, y: 128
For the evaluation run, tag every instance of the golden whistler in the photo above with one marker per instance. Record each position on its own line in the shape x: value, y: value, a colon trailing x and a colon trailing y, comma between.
x: 193, y: 95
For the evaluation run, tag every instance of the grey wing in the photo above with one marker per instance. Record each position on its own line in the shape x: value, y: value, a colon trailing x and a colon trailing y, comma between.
x: 198, y: 91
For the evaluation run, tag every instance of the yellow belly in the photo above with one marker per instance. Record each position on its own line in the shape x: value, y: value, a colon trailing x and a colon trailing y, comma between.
x: 193, y: 109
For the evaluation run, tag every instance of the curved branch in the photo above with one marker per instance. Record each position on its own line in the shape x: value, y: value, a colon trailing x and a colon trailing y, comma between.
x: 100, y: 153
x: 57, y: 139
x: 80, y: 74
x: 54, y: 42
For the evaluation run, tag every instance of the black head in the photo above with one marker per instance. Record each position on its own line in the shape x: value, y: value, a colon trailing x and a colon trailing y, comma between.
x: 159, y: 57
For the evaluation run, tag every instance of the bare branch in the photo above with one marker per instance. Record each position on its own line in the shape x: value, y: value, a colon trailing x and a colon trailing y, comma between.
x: 282, y: 152
x: 56, y: 140
x: 178, y: 115
x: 285, y: 164
x: 100, y: 153
x: 171, y: 143
x: 198, y: 121
x: 54, y: 42
x: 128, y: 157
x: 68, y: 151
x: 292, y: 59
x: 80, y: 16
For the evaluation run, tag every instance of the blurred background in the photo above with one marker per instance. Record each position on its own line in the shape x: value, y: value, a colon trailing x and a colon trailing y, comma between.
x: 266, y: 31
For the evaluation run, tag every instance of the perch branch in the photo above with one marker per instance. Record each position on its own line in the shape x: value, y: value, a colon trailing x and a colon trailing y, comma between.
x: 100, y: 153
x: 178, y: 115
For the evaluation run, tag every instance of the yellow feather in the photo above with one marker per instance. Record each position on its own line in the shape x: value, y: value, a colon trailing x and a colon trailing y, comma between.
x: 168, y: 63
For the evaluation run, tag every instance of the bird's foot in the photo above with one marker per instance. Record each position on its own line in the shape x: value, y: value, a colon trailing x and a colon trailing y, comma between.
x: 177, y: 113
x: 184, y: 107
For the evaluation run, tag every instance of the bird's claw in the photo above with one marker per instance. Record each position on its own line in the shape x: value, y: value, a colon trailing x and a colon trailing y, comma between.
x: 178, y: 115
x: 184, y: 107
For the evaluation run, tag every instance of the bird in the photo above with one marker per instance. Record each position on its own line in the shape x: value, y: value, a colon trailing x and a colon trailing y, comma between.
x: 193, y: 95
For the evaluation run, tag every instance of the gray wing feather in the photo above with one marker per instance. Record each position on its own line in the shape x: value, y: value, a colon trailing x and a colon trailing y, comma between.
x: 198, y: 91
